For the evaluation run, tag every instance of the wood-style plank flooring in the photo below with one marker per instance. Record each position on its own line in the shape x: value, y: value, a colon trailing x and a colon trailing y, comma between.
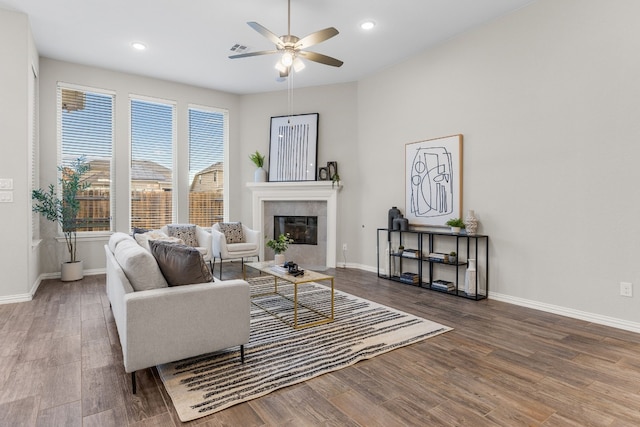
x: 503, y: 365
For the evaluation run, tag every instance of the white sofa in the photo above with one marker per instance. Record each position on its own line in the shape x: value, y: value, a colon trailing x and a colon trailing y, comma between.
x: 165, y: 324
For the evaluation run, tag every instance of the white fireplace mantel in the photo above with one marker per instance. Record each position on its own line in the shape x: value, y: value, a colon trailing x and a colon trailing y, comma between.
x: 298, y: 191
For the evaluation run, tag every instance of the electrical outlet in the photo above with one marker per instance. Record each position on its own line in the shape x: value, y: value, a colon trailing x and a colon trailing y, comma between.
x: 344, y: 246
x: 626, y: 289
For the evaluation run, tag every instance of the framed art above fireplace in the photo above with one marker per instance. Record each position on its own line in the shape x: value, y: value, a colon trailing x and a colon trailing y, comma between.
x: 293, y: 148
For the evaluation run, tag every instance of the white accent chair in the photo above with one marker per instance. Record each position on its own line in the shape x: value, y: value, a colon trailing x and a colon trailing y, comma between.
x: 226, y: 251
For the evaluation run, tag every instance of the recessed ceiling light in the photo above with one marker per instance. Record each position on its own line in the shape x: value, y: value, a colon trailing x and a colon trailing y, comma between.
x: 367, y: 25
x: 138, y: 46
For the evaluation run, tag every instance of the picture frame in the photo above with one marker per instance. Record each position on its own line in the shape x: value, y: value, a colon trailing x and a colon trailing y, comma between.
x: 433, y: 177
x: 293, y: 148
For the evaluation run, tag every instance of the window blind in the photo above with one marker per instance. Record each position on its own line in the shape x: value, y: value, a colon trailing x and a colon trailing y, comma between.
x: 85, y: 129
x: 153, y: 137
x: 207, y: 138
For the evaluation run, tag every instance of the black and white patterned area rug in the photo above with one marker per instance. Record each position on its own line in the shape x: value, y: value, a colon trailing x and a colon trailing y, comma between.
x: 278, y: 355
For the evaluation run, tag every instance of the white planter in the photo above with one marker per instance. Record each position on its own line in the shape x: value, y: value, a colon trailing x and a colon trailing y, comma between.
x: 260, y: 175
x: 71, y: 271
x: 279, y: 259
x: 455, y: 229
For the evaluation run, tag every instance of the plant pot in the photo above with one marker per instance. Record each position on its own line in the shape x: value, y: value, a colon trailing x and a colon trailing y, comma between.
x: 260, y: 175
x: 71, y: 271
x: 279, y: 259
x: 453, y: 259
x: 455, y: 229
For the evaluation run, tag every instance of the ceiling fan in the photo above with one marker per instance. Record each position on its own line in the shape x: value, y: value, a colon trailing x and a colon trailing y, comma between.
x: 291, y: 47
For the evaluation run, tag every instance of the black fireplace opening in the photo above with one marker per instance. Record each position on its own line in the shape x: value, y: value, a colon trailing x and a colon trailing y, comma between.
x: 302, y: 229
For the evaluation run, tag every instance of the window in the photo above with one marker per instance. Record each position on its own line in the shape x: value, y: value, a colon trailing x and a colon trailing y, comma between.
x: 85, y: 129
x: 153, y: 136
x: 207, y: 140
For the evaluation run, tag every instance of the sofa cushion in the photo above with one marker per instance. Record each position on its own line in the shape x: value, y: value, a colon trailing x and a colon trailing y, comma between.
x: 233, y: 232
x: 139, y: 266
x: 116, y: 238
x: 186, y: 232
x: 180, y: 264
x: 144, y: 238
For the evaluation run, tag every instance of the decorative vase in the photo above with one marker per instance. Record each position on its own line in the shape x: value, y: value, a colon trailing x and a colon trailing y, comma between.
x: 400, y: 223
x: 394, y: 212
x: 260, y: 175
x: 71, y: 271
x: 471, y: 223
x: 279, y: 259
x: 470, y: 279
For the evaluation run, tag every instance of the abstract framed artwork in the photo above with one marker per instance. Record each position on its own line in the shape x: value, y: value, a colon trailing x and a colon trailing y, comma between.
x: 293, y: 148
x: 433, y: 176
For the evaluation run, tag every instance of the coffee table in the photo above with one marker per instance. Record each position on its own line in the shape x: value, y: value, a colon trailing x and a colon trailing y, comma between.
x: 267, y: 267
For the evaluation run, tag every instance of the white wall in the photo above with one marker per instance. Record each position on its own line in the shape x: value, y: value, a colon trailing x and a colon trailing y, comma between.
x: 123, y: 85
x: 547, y: 101
x: 337, y: 137
x: 18, y: 57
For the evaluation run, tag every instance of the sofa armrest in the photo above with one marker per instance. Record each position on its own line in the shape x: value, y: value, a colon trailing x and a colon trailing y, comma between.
x: 165, y: 325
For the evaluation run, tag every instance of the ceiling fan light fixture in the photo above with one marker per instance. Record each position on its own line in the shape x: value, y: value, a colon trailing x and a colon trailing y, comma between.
x: 298, y: 65
x: 280, y: 67
x: 287, y: 59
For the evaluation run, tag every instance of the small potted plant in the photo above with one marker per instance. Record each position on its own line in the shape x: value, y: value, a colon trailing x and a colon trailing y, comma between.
x: 280, y: 246
x: 456, y: 225
x: 64, y: 210
x: 400, y: 249
x: 453, y: 257
x: 260, y: 175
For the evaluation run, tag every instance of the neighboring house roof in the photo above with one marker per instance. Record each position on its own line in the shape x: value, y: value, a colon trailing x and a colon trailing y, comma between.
x: 141, y: 170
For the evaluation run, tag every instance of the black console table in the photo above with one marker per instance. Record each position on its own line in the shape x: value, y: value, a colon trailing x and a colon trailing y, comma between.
x: 424, y: 260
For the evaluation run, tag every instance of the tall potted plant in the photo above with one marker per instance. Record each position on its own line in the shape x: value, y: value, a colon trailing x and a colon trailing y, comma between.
x: 280, y: 246
x: 64, y: 210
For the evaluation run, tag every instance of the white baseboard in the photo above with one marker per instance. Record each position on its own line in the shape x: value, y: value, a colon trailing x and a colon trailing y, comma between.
x: 568, y: 312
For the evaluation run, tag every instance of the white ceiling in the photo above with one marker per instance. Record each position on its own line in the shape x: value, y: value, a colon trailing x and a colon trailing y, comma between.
x: 189, y: 40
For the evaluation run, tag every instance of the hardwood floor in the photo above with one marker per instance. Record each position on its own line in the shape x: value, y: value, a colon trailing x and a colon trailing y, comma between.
x: 502, y: 365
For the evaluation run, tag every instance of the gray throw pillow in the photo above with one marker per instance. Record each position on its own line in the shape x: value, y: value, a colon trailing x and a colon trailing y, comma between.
x: 233, y: 232
x: 180, y: 264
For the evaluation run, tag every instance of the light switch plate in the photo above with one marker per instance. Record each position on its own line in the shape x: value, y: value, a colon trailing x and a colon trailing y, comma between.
x: 6, y: 196
x: 6, y: 184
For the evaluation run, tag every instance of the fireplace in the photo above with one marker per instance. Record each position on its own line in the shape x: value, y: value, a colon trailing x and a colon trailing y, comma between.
x: 302, y: 229
x: 308, y: 198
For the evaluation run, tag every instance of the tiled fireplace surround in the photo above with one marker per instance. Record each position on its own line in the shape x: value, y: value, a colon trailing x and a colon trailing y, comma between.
x: 308, y: 198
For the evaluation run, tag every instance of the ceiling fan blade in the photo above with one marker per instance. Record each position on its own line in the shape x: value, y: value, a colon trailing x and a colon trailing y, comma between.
x: 318, y: 57
x: 268, y: 34
x: 315, y: 38
x: 246, y: 55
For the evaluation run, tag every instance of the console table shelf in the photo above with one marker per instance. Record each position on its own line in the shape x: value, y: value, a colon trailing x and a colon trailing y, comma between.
x: 435, y: 273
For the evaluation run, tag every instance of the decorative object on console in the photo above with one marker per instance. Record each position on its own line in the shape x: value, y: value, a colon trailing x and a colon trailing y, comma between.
x: 453, y: 257
x: 293, y: 148
x: 280, y: 246
x: 394, y: 212
x: 260, y: 175
x: 433, y: 177
x: 471, y: 223
x: 400, y: 223
x: 64, y: 210
x: 456, y: 225
x: 470, y: 278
